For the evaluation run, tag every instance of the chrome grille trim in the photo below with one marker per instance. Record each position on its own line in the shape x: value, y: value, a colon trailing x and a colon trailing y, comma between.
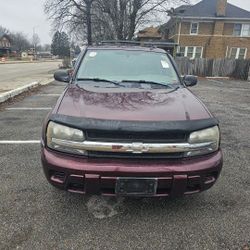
x: 134, y: 148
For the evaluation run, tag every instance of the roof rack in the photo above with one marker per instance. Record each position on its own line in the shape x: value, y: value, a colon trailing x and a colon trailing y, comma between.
x: 152, y: 45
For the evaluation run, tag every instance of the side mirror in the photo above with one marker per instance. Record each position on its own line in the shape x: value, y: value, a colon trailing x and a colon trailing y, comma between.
x: 190, y: 80
x: 62, y: 76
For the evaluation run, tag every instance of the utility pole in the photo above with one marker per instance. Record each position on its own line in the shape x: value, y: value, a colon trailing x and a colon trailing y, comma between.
x: 89, y: 23
x: 34, y: 42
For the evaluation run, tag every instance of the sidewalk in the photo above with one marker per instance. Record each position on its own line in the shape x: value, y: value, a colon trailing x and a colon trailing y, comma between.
x: 18, y: 83
x: 12, y: 93
x: 18, y: 78
x: 38, y: 61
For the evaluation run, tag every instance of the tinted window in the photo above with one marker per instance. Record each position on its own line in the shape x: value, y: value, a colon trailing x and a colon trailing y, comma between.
x: 121, y: 65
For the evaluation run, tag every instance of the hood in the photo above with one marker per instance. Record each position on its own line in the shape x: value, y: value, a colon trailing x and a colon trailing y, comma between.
x: 128, y: 104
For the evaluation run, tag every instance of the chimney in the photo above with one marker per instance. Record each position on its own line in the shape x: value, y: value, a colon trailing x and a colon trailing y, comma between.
x: 221, y: 8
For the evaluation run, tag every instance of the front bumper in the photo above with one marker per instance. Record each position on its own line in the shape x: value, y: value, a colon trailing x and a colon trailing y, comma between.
x: 98, y: 176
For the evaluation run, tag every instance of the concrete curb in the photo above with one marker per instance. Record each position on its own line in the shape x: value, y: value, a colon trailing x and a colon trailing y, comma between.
x: 24, y: 62
x: 10, y: 94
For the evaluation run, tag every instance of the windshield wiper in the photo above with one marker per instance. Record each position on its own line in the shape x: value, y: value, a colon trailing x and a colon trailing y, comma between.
x: 100, y: 80
x: 149, y: 82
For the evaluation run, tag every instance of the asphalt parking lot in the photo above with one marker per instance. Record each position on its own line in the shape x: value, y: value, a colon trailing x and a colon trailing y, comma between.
x: 34, y: 215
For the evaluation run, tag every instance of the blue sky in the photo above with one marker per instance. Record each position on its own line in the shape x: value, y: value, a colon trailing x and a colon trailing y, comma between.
x: 24, y: 15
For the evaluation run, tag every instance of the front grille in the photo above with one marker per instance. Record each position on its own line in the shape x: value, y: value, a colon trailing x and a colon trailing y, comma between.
x: 97, y: 154
x: 124, y: 136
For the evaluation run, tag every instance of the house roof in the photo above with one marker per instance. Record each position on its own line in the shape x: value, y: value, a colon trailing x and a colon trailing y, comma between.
x: 207, y: 8
x: 4, y: 35
x: 149, y: 32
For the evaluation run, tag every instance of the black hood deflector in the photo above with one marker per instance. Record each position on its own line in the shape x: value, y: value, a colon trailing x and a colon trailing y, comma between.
x: 134, y: 126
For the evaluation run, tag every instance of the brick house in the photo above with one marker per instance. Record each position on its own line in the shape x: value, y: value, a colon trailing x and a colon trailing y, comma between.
x: 210, y: 29
x: 154, y: 35
x: 5, y: 44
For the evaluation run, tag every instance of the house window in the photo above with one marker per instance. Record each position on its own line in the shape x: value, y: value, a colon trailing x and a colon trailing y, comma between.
x: 198, y: 52
x: 233, y: 53
x: 182, y: 51
x: 245, y: 30
x: 194, y: 27
x: 191, y: 52
x: 237, y: 29
x: 238, y: 53
x: 242, y: 53
x: 241, y: 29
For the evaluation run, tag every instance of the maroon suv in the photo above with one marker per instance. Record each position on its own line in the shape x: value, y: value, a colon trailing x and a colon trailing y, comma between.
x: 128, y: 125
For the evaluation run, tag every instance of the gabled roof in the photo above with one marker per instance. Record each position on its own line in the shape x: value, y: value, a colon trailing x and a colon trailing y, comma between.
x: 207, y: 8
x: 4, y: 35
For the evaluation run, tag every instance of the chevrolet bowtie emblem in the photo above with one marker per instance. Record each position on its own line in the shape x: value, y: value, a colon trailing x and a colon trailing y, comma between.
x: 137, y: 148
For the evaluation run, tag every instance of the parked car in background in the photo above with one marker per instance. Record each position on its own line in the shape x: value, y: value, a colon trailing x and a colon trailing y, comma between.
x: 128, y: 125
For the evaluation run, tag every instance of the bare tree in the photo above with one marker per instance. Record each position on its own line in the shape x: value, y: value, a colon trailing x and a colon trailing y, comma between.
x: 127, y: 16
x: 71, y: 14
x: 20, y: 42
x: 4, y: 30
x: 104, y: 19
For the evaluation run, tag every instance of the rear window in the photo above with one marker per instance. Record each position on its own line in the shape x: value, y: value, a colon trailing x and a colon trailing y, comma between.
x: 118, y: 65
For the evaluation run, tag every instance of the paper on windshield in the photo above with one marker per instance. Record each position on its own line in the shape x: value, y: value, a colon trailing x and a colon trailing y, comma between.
x: 92, y: 54
x: 164, y: 64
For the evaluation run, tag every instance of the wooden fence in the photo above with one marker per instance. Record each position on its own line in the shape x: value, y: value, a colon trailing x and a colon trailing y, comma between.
x: 238, y: 69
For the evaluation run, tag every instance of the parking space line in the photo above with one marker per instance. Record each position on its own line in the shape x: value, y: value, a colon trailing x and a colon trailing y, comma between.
x: 20, y: 142
x: 48, y: 95
x: 24, y: 108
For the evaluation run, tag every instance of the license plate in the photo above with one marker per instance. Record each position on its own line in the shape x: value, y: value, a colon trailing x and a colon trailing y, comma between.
x: 136, y: 186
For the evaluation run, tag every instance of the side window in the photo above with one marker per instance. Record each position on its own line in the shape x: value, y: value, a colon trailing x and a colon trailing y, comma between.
x: 194, y: 27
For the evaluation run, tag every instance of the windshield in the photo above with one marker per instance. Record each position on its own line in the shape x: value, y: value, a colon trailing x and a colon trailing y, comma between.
x: 123, y: 65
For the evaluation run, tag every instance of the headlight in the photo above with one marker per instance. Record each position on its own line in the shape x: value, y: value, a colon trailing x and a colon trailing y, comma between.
x: 60, y: 137
x: 210, y: 136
